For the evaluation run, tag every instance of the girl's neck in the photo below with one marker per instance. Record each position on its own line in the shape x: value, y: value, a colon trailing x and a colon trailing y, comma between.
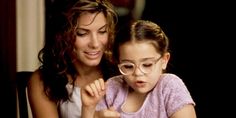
x: 139, y: 95
x: 134, y: 101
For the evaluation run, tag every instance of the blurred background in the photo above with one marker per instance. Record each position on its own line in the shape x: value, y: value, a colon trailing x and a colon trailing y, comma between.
x: 200, y: 33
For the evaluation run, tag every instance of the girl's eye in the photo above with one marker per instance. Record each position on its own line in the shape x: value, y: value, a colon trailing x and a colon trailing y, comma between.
x: 128, y: 66
x: 147, y: 65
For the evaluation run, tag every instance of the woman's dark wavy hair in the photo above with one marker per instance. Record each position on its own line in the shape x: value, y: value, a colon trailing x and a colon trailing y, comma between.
x: 57, y: 55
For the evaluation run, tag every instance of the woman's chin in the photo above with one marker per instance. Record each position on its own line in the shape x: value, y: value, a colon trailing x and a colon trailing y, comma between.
x: 93, y: 63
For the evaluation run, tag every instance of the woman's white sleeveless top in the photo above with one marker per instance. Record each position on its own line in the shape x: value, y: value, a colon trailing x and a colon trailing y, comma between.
x: 71, y: 109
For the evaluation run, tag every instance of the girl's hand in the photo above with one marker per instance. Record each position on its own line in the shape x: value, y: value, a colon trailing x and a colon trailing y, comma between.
x: 107, y: 113
x: 92, y: 93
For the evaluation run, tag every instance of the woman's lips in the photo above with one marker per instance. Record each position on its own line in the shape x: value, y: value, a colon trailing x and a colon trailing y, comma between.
x: 92, y: 55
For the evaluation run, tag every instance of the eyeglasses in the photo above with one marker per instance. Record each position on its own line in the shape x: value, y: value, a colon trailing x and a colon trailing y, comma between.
x: 127, y: 68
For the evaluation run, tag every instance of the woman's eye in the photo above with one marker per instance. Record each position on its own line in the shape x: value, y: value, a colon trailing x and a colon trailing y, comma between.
x: 80, y: 34
x: 103, y: 32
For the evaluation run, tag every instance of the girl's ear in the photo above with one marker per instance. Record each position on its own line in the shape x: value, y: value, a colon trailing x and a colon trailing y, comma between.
x: 165, y: 60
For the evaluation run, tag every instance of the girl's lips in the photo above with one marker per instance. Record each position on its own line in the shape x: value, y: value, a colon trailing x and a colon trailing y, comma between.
x: 140, y: 83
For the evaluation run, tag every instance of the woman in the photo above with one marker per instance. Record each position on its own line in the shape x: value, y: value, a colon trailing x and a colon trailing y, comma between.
x: 76, y: 52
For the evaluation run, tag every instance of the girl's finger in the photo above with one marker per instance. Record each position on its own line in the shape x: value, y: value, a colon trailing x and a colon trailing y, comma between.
x: 88, y: 89
x: 94, y: 89
x: 102, y: 84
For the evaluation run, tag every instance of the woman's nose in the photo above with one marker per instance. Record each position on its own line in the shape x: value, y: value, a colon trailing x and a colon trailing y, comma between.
x: 94, y: 41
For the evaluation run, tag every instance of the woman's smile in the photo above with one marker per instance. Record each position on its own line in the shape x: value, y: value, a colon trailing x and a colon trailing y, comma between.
x: 92, y: 54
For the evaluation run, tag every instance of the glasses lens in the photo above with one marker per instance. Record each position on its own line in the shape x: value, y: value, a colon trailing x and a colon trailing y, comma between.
x: 126, y: 68
x: 146, y: 67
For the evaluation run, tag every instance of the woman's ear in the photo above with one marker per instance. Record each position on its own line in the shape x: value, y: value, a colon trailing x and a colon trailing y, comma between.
x: 165, y: 60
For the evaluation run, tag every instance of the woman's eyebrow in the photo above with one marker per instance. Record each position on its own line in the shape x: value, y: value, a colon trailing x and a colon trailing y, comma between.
x: 81, y: 28
x: 104, y: 26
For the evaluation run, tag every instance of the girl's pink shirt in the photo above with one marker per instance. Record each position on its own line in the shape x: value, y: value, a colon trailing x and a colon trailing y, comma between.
x: 169, y: 95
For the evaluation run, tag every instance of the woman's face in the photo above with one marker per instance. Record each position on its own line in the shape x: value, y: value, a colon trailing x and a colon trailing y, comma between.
x: 91, y: 39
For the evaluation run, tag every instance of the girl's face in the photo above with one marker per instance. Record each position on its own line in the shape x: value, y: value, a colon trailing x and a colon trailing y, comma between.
x: 142, y: 64
x: 91, y: 39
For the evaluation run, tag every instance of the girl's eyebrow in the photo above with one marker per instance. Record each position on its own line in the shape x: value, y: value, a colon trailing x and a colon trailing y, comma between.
x: 141, y: 60
x: 126, y: 60
x: 148, y: 58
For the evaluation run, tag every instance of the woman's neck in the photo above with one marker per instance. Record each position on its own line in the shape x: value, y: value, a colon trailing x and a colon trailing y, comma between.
x: 87, y: 74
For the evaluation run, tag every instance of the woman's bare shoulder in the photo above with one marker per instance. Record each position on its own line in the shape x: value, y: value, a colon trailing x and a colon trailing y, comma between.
x: 40, y: 104
x: 35, y: 80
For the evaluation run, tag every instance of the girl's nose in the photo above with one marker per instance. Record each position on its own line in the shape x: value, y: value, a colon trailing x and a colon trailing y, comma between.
x: 138, y: 72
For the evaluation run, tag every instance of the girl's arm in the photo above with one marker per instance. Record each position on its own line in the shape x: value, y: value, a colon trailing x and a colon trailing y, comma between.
x: 40, y: 104
x: 187, y: 111
x: 91, y: 94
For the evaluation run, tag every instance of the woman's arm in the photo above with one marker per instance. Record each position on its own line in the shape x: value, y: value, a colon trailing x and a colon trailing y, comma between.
x: 40, y: 104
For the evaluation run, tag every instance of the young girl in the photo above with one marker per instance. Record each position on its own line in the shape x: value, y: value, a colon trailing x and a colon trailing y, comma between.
x: 143, y: 90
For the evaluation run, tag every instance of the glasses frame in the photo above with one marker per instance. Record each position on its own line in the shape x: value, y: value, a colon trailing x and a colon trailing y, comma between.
x: 137, y: 66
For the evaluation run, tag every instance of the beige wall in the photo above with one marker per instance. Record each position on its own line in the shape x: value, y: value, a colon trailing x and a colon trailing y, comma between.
x: 30, y: 33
